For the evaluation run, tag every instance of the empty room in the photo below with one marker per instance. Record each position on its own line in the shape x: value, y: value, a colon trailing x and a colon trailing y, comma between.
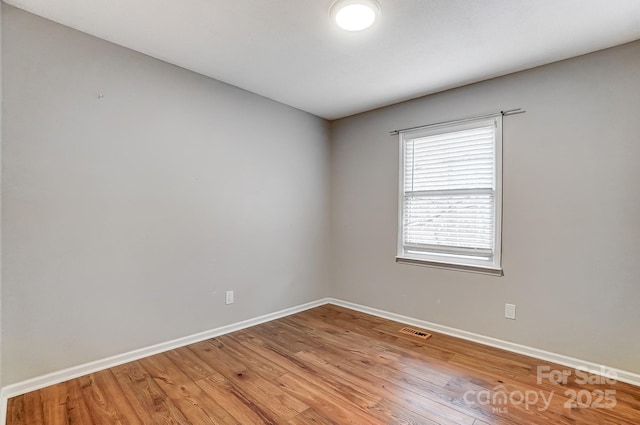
x: 320, y: 212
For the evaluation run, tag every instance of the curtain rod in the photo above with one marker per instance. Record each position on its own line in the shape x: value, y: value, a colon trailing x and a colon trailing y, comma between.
x: 477, y: 117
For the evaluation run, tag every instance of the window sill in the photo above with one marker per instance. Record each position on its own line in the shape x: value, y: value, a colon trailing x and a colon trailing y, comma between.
x: 451, y: 266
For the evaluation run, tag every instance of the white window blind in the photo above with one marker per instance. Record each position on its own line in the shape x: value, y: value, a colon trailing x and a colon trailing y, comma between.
x: 450, y: 195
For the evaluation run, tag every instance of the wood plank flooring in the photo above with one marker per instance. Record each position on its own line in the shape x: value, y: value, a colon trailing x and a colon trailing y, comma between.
x: 329, y: 366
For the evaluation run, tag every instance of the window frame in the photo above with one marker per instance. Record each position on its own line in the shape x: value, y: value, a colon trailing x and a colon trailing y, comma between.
x: 492, y: 266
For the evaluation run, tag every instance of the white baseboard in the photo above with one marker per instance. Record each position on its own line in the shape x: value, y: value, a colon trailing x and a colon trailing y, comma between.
x: 53, y: 378
x: 583, y: 365
x: 3, y: 407
x: 33, y: 384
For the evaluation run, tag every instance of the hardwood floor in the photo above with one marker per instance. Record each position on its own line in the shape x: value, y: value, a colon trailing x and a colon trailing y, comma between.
x: 328, y: 366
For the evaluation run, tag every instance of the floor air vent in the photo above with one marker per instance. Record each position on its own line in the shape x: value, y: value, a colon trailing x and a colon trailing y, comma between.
x: 415, y: 332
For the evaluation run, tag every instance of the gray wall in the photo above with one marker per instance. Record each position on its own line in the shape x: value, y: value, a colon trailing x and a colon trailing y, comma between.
x: 0, y: 196
x: 571, y: 228
x: 126, y: 218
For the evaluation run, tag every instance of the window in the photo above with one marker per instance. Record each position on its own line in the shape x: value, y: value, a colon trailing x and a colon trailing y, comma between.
x: 451, y: 195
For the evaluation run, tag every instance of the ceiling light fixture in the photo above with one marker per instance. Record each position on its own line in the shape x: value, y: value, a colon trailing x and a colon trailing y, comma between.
x: 354, y: 15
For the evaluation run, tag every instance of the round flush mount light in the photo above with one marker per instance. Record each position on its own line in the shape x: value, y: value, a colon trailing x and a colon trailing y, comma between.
x: 354, y: 15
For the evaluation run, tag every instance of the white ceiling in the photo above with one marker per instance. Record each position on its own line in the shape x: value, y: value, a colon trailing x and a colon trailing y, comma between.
x: 289, y: 51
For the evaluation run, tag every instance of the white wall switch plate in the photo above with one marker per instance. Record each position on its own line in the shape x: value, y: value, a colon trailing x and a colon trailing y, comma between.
x: 510, y: 311
x: 229, y: 297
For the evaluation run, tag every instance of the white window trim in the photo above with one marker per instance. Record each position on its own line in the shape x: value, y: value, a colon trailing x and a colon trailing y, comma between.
x: 448, y: 261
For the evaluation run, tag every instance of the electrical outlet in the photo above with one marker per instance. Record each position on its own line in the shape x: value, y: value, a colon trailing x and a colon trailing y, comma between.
x: 510, y: 311
x: 229, y: 297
